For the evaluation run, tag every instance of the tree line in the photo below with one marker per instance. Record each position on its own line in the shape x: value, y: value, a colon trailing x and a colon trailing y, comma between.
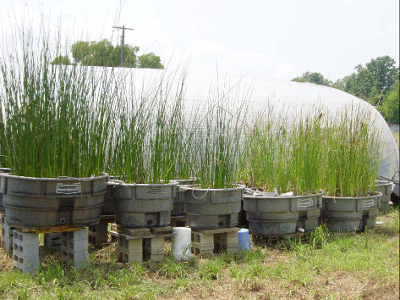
x: 104, y: 54
x: 376, y: 82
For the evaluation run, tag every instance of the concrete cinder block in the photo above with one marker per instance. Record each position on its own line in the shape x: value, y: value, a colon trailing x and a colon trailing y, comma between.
x: 77, y: 256
x: 6, y: 237
x: 29, y: 264
x: 52, y: 241
x: 78, y: 235
x: 74, y: 248
x: 154, y: 243
x: 202, y: 238
x: 130, y: 250
x: 26, y: 251
x: 79, y: 260
x: 25, y: 238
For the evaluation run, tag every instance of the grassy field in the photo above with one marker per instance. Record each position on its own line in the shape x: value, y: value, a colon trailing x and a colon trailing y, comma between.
x: 322, y: 266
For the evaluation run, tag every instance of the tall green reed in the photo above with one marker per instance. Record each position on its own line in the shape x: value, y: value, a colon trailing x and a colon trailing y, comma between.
x: 306, y: 152
x: 353, y: 147
x: 150, y: 132
x: 217, y: 144
x: 55, y: 120
x: 285, y: 153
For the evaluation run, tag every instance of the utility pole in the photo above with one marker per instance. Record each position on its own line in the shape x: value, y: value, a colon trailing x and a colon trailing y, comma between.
x: 122, y: 41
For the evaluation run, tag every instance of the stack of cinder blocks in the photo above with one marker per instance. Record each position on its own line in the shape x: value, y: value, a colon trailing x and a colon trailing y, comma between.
x: 26, y: 251
x: 52, y: 241
x: 6, y: 236
x: 74, y: 248
x: 207, y: 242
x: 142, y: 244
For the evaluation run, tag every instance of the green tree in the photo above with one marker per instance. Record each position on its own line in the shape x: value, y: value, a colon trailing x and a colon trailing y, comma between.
x: 378, y: 83
x: 313, y: 77
x: 80, y: 50
x: 360, y: 83
x: 384, y: 72
x: 103, y: 53
x: 150, y: 60
x: 391, y: 105
x: 61, y: 60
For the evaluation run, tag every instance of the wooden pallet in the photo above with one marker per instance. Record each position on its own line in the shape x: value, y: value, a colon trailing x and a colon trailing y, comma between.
x: 49, y: 230
x: 207, y: 242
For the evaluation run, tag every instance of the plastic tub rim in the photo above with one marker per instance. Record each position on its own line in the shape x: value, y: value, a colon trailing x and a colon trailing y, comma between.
x: 120, y: 183
x: 58, y: 179
x: 376, y: 195
x: 321, y: 193
x: 215, y: 190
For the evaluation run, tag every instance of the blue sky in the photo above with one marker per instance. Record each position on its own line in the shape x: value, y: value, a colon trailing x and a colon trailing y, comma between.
x: 272, y: 39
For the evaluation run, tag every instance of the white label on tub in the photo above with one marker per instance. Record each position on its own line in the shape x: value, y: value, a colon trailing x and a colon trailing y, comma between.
x: 154, y: 190
x: 227, y: 194
x: 368, y: 203
x: 67, y: 189
x: 303, y: 203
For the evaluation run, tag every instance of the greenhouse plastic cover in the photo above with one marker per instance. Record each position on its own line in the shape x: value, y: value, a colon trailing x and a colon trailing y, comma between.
x: 293, y: 97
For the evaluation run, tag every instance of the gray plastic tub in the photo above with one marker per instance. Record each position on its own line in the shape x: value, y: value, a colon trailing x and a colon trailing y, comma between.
x: 143, y: 205
x: 385, y: 187
x: 177, y: 208
x: 213, y: 208
x: 108, y: 204
x: 343, y: 214
x: 49, y: 202
x: 6, y: 171
x: 274, y: 216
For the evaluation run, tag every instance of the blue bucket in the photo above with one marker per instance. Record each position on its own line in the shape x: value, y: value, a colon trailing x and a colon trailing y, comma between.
x: 244, y: 239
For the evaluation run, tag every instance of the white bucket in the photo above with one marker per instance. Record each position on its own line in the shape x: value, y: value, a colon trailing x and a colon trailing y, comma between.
x: 181, y: 243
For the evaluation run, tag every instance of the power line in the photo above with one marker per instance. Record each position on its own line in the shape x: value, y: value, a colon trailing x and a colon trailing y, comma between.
x: 122, y: 41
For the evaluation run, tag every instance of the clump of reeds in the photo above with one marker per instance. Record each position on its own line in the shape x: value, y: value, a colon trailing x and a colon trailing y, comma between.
x: 217, y: 142
x: 318, y: 150
x: 285, y: 154
x: 54, y: 120
x: 306, y: 153
x: 353, y: 149
x: 150, y: 132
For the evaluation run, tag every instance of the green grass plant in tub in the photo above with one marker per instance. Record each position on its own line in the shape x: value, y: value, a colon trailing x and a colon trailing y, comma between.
x: 146, y: 151
x: 353, y: 151
x: 216, y: 152
x: 285, y: 169
x: 54, y: 123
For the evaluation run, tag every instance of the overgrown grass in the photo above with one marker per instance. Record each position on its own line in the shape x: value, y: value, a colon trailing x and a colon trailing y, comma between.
x: 322, y: 266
